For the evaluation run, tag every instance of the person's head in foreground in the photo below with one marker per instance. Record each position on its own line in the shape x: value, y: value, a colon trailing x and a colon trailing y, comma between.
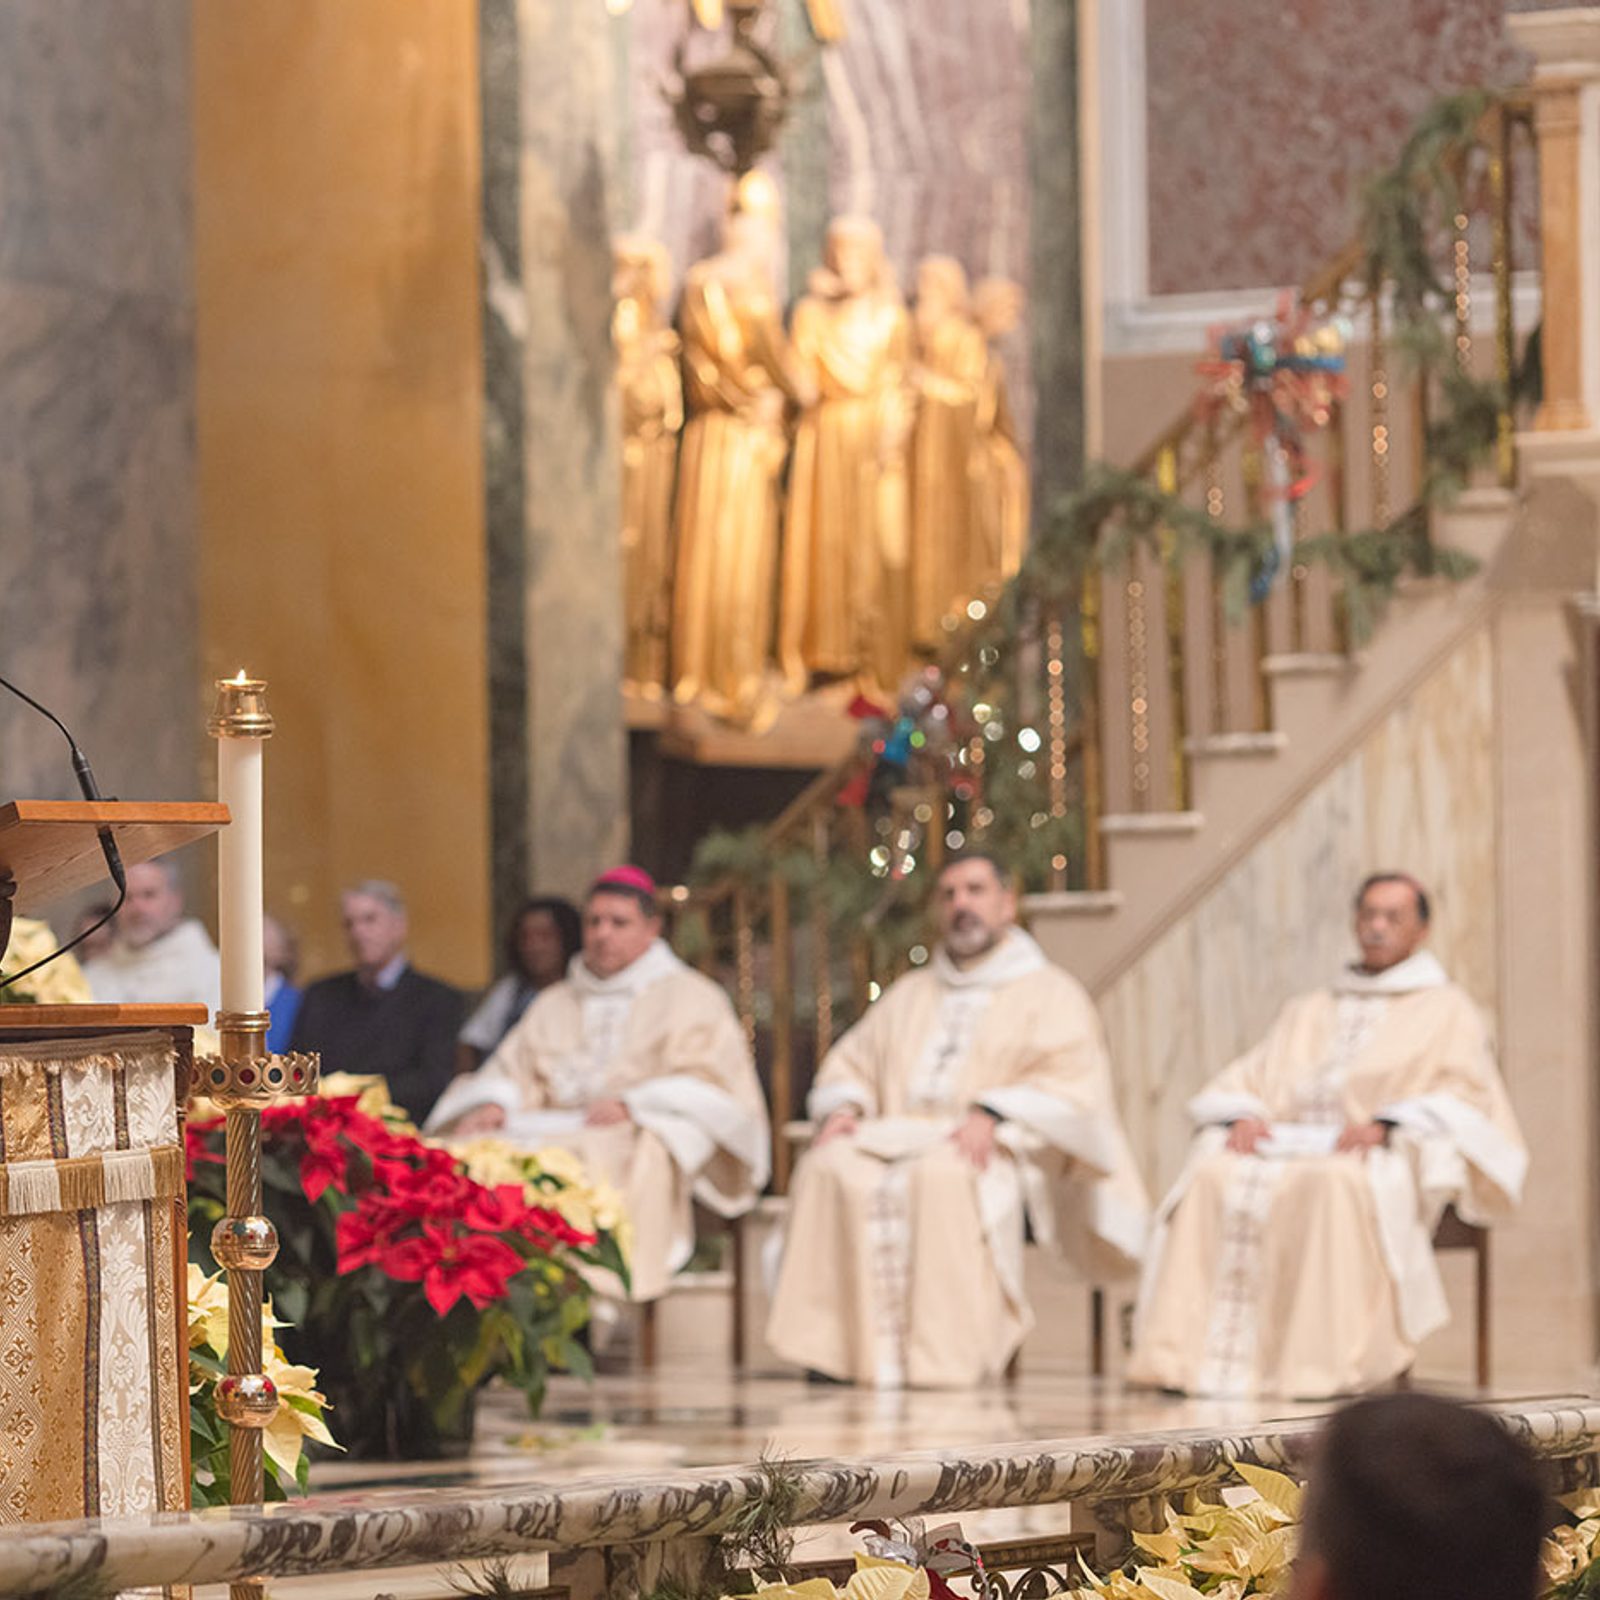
x: 620, y: 920
x: 975, y: 905
x: 154, y: 905
x: 1392, y: 917
x: 375, y: 924
x: 1416, y: 1498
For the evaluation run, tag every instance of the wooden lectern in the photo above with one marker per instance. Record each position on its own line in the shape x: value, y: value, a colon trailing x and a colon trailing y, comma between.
x: 94, y: 1390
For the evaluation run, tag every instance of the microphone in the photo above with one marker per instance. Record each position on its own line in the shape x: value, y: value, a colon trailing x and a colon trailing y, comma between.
x: 108, y: 844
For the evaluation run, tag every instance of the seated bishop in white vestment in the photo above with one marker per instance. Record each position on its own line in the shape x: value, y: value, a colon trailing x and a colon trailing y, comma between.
x: 972, y: 1101
x: 1294, y: 1256
x: 637, y: 1064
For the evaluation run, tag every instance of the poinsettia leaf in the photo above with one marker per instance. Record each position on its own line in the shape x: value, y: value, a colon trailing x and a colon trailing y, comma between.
x: 1278, y: 1490
x: 207, y: 1360
x: 291, y: 1299
x: 1165, y: 1588
x: 1165, y: 1547
x: 569, y: 1356
x: 574, y: 1313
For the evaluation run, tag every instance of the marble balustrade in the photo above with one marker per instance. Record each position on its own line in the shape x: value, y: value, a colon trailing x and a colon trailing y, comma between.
x: 613, y: 1534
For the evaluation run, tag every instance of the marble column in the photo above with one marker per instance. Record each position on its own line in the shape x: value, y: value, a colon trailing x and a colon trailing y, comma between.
x: 1056, y: 299
x: 1544, y: 759
x: 551, y: 198
x: 97, y: 520
x: 504, y: 424
x: 1565, y: 45
x: 805, y: 145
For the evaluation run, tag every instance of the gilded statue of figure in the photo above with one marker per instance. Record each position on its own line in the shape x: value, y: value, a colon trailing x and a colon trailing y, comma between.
x: 846, y: 587
x: 739, y: 372
x: 951, y: 357
x: 652, y: 416
x: 1000, y: 475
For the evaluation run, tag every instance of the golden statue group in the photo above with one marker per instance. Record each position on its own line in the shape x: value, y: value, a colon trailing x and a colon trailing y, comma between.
x: 839, y: 489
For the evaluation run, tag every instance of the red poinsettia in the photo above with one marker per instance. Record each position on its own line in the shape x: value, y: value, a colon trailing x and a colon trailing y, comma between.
x: 497, y: 1210
x: 325, y: 1162
x: 430, y: 1192
x: 449, y: 1265
x: 196, y: 1151
x: 504, y: 1209
x: 363, y: 1234
x: 361, y: 1237
x: 383, y: 1143
x: 544, y: 1227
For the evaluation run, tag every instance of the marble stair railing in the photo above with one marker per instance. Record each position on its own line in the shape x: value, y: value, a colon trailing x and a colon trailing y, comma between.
x: 611, y: 1536
x: 1160, y: 863
x: 1207, y: 726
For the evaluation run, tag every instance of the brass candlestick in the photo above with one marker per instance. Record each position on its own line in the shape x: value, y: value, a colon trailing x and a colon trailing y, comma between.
x: 242, y: 1078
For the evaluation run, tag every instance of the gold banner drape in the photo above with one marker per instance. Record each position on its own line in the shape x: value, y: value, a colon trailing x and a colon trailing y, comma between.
x: 93, y: 1375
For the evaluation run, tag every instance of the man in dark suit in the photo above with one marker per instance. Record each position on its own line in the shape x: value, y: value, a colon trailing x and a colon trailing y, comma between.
x: 385, y: 1016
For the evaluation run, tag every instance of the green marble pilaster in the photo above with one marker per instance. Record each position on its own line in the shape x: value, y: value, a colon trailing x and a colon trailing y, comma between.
x: 1056, y: 298
x: 803, y: 147
x: 551, y: 203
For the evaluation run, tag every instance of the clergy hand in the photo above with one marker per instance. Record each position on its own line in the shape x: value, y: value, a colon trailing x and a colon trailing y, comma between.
x: 486, y: 1119
x: 606, y: 1114
x: 1245, y: 1134
x: 1363, y: 1136
x: 975, y: 1137
x: 839, y: 1126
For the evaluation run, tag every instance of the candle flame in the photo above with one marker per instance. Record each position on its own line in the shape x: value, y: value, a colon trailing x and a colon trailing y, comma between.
x: 239, y: 677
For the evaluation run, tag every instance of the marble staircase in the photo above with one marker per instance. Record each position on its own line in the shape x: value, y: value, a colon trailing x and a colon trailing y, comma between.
x: 1320, y: 707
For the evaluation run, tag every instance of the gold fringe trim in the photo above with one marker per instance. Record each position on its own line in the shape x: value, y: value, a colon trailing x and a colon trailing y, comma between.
x: 85, y: 1183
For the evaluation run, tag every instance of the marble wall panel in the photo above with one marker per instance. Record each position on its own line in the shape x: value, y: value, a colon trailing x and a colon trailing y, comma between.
x: 1264, y: 118
x: 97, y: 525
x: 567, y: 174
x: 340, y: 447
x: 1417, y: 794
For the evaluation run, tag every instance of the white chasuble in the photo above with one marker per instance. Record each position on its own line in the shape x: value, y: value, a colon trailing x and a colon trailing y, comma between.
x: 664, y: 1041
x: 1303, y: 1271
x: 903, y: 1263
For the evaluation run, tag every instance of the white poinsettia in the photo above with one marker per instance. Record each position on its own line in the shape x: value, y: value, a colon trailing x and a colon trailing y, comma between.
x: 300, y: 1406
x: 60, y: 983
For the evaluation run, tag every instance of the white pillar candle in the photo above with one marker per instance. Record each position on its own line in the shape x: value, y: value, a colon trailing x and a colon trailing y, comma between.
x: 239, y: 894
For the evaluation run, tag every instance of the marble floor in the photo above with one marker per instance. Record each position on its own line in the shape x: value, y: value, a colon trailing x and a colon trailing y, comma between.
x: 688, y: 1416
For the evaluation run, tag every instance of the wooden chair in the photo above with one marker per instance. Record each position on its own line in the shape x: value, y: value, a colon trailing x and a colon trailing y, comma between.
x: 1454, y: 1234
x: 1097, y: 1340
